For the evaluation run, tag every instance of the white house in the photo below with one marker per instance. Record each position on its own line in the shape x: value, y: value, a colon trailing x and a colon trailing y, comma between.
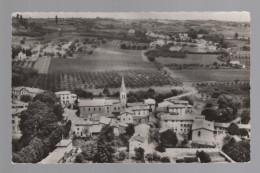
x: 66, y: 97
x: 151, y: 103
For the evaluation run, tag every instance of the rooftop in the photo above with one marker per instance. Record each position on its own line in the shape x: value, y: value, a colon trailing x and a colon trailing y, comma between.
x: 105, y: 120
x: 64, y: 143
x: 203, y: 124
x: 95, y: 102
x: 137, y: 138
x: 177, y: 117
x: 62, y: 92
x: 149, y: 101
x: 29, y: 89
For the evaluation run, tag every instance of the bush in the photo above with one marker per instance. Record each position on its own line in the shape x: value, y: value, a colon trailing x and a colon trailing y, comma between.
x: 204, y: 157
x: 26, y: 98
x: 243, y: 132
x: 168, y: 138
x: 160, y: 148
x: 165, y: 160
x: 121, y: 155
x: 233, y: 129
x: 79, y: 158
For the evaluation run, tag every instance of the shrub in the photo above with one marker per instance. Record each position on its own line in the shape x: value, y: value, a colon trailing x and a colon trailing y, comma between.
x: 160, y: 148
x: 79, y: 158
x: 121, y: 155
x: 165, y: 160
x: 233, y: 129
x: 26, y: 98
x: 204, y: 157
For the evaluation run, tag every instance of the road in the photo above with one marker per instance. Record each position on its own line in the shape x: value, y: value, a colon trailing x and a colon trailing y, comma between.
x: 191, y: 90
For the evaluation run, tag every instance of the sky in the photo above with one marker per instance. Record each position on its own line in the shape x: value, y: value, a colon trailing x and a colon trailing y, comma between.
x: 223, y: 16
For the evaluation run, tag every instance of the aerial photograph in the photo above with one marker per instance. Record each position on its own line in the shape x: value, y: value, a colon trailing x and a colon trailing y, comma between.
x: 130, y: 87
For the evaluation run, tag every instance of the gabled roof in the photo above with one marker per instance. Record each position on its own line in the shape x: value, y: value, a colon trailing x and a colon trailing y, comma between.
x: 121, y: 124
x: 149, y: 101
x: 29, y: 89
x: 62, y: 92
x: 95, y: 102
x: 64, y: 143
x: 137, y: 138
x: 17, y: 110
x: 95, y: 117
x: 140, y: 117
x: 105, y: 120
x: 96, y: 128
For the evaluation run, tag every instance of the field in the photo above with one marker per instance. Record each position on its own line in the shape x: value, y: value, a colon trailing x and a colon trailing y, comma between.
x: 102, y: 59
x: 190, y: 59
x: 218, y: 75
x: 101, y: 79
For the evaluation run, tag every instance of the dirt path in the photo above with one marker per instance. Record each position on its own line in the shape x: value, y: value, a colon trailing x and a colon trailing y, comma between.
x: 191, y: 90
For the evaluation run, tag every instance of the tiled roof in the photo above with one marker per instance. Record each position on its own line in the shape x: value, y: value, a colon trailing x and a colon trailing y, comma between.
x: 95, y: 102
x: 149, y: 101
x: 64, y: 143
x: 105, y: 120
x: 62, y: 92
x: 31, y: 90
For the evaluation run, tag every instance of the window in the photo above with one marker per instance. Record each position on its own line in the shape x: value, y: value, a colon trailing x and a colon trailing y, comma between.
x: 198, y: 133
x: 13, y: 121
x: 88, y: 109
x: 99, y: 109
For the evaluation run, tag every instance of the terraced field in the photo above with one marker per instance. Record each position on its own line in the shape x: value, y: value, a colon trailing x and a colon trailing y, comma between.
x: 42, y: 65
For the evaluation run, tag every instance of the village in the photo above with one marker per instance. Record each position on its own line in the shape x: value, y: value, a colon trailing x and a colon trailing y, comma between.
x: 146, y: 119
x: 104, y: 90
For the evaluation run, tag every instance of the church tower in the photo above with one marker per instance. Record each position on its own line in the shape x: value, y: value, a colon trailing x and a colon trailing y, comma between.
x: 123, y: 98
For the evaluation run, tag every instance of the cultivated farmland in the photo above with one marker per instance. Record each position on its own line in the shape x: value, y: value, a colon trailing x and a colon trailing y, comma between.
x: 190, y: 59
x: 218, y: 75
x: 102, y: 59
x: 102, y: 79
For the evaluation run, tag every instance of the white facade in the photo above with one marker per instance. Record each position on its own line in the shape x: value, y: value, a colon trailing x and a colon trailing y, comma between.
x: 66, y: 97
x: 17, y: 92
x: 126, y: 118
x: 177, y: 109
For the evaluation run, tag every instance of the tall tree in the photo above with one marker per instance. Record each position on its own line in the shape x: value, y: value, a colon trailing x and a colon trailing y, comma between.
x: 56, y: 19
x: 168, y: 138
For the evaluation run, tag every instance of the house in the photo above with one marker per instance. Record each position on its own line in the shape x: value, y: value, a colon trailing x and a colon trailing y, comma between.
x: 139, y: 138
x: 242, y: 56
x: 21, y: 56
x: 82, y: 129
x: 141, y: 110
x: 175, y: 48
x: 172, y: 102
x: 95, y: 130
x: 136, y: 142
x: 151, y: 103
x: 180, y: 109
x: 103, y: 106
x: 131, y: 32
x: 62, y: 152
x: 16, y: 119
x: 127, y: 118
x: 140, y: 120
x: 66, y: 97
x: 202, y: 131
x: 104, y: 121
x: 122, y: 127
x: 180, y: 124
x: 17, y: 92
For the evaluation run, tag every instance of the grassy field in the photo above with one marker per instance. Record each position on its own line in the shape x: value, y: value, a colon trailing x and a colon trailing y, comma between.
x: 190, y: 59
x: 219, y: 75
x: 102, y: 59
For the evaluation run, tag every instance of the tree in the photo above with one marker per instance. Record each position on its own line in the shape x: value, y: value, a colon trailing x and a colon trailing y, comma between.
x: 106, y: 92
x: 56, y: 19
x: 165, y: 159
x: 160, y: 148
x: 89, y: 151
x: 211, y: 114
x: 204, y: 157
x: 139, y: 153
x: 245, y: 117
x: 79, y: 158
x: 243, y: 132
x: 246, y: 102
x: 186, y: 98
x: 58, y: 111
x: 233, y: 129
x: 122, y: 155
x: 238, y: 151
x: 46, y: 97
x: 17, y: 16
x: 236, y: 35
x: 130, y: 130
x: 26, y: 98
x: 168, y: 138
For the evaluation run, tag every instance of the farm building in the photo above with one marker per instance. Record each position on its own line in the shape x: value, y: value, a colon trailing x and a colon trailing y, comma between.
x: 17, y: 92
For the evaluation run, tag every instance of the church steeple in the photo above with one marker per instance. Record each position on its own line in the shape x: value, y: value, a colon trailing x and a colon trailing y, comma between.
x: 123, y: 98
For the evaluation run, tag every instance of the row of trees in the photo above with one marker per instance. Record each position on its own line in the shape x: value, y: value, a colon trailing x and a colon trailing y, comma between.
x: 40, y: 130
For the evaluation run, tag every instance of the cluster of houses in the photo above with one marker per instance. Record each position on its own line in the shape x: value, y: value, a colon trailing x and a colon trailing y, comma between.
x: 96, y: 113
x: 240, y: 58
